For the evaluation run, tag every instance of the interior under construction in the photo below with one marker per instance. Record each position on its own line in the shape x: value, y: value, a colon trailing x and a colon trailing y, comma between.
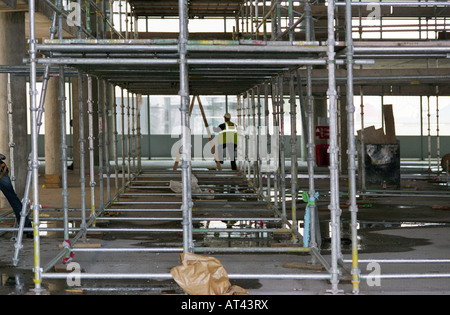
x: 312, y: 174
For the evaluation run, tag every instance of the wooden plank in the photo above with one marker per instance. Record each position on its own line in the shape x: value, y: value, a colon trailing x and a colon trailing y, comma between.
x: 213, y: 148
x: 389, y: 124
x: 52, y: 181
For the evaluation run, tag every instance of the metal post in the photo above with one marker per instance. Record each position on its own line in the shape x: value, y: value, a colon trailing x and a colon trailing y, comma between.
x: 106, y: 109
x: 276, y: 133
x: 123, y: 136
x: 245, y: 134
x: 91, y: 147
x: 351, y: 149
x: 362, y: 167
x: 11, y: 134
x: 133, y: 130
x: 248, y: 135
x: 62, y: 100
x: 115, y: 140
x: 258, y: 143
x: 333, y: 150
x: 26, y: 199
x: 101, y: 105
x: 282, y: 147
x: 34, y: 151
x: 421, y: 128
x: 293, y: 113
x: 429, y: 136
x: 291, y: 21
x: 315, y: 239
x: 82, y: 142
x: 128, y: 136
x: 138, y: 133
x: 438, y: 145
x: 254, y: 141
x: 186, y: 135
x: 268, y: 139
x: 149, y: 142
x: 240, y: 133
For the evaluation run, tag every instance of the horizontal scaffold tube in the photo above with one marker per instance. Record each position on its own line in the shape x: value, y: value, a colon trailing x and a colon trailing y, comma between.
x: 406, y: 276
x: 196, y: 249
x: 313, y: 47
x: 166, y: 276
x: 106, y: 48
x: 143, y: 62
x: 193, y: 219
x: 156, y: 230
x: 205, y: 194
x: 251, y: 249
x: 402, y: 50
x: 403, y: 261
x: 128, y: 250
x: 398, y: 4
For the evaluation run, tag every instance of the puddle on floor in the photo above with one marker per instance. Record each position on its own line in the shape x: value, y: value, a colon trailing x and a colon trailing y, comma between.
x: 14, y: 281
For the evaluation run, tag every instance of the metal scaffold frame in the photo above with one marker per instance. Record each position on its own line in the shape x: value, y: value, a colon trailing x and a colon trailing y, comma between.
x: 184, y: 57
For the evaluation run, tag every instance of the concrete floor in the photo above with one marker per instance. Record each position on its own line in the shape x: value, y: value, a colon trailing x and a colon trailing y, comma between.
x: 390, y: 227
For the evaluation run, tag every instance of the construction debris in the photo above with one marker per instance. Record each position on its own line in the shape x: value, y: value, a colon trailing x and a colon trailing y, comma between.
x: 203, y: 275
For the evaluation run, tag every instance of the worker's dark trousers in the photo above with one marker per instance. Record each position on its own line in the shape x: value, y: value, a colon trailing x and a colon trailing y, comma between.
x: 231, y: 152
x: 8, y: 190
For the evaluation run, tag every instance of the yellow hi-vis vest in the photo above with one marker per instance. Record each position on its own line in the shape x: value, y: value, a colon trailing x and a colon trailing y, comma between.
x: 229, y: 134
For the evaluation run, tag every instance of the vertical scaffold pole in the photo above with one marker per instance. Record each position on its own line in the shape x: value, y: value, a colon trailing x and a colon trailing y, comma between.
x: 138, y: 133
x: 362, y: 168
x: 244, y: 133
x: 249, y: 135
x: 11, y: 134
x: 351, y: 148
x: 62, y: 101
x: 26, y: 198
x: 123, y: 135
x: 240, y: 134
x: 115, y: 140
x: 101, y: 105
x: 133, y: 131
x: 282, y: 147
x: 253, y: 141
x: 128, y: 136
x: 267, y: 133
x: 293, y: 113
x: 106, y: 138
x: 429, y: 136
x: 82, y: 142
x: 333, y: 150
x: 275, y: 145
x: 438, y: 143
x: 315, y: 239
x: 258, y: 143
x: 34, y: 148
x: 91, y: 147
x: 186, y: 134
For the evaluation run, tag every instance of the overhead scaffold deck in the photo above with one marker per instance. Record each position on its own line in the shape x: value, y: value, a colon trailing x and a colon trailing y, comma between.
x: 250, y: 206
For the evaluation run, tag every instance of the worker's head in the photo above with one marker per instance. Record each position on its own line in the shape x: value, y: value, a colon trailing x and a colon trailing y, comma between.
x: 227, y: 117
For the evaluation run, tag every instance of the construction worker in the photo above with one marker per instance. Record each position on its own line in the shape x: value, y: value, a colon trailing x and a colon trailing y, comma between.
x: 227, y: 138
x: 8, y: 190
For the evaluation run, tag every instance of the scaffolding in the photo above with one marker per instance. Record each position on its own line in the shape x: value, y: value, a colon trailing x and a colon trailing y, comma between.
x: 251, y: 68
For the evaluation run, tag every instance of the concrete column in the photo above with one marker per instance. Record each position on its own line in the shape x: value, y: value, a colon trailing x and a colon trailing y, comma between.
x: 12, y: 52
x: 52, y: 118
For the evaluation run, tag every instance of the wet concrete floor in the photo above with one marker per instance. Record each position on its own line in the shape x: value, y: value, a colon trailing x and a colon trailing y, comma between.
x: 389, y: 228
